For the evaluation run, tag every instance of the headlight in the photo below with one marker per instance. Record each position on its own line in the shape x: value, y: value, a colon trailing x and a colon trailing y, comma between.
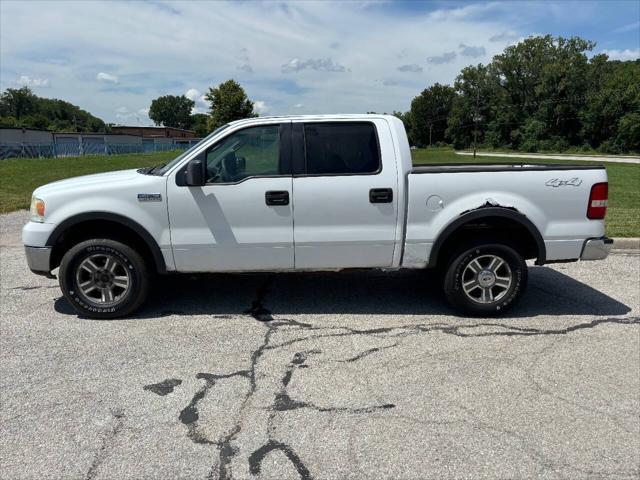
x: 37, y: 209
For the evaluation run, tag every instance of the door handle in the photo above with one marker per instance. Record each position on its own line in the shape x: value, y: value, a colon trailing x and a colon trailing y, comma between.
x: 381, y: 195
x: 276, y: 197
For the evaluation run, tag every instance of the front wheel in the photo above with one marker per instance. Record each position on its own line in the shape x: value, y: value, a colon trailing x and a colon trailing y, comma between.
x: 485, y: 280
x: 103, y: 278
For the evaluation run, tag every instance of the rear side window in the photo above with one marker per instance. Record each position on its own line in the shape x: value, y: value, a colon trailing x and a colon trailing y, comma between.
x: 341, y: 148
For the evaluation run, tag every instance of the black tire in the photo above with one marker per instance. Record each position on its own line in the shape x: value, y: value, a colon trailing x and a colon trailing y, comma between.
x: 121, y: 300
x: 482, y: 298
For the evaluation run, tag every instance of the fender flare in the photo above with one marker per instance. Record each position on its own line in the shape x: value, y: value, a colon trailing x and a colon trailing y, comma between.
x: 148, y: 239
x: 483, y: 212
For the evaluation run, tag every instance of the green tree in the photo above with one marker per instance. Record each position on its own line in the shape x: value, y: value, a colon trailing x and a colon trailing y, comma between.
x: 22, y: 108
x: 429, y: 113
x: 18, y: 102
x: 545, y: 93
x: 200, y: 124
x: 229, y: 102
x: 35, y: 121
x: 407, y: 121
x: 473, y: 108
x: 172, y: 111
x: 613, y: 93
x: 628, y: 137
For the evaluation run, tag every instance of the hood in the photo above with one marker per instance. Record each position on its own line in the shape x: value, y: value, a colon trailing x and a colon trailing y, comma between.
x: 89, y: 181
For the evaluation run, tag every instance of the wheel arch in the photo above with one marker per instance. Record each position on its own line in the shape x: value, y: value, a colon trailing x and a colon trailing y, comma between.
x: 110, y: 225
x: 491, y: 215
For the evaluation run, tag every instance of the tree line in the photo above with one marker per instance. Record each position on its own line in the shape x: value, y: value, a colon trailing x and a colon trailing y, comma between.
x: 20, y: 107
x: 542, y: 94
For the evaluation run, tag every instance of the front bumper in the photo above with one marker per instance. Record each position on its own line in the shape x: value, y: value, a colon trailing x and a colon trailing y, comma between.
x: 596, y: 248
x: 38, y: 259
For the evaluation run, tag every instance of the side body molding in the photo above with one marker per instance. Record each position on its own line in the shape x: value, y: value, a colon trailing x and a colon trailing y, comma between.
x: 486, y: 212
x: 112, y: 217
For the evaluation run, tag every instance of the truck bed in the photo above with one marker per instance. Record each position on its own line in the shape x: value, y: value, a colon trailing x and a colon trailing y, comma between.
x: 554, y: 198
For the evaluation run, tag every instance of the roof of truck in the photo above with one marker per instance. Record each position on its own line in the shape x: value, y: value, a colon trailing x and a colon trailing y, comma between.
x: 317, y: 117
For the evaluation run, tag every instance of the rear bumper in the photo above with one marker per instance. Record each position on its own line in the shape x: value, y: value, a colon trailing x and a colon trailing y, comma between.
x: 596, y: 248
x: 38, y: 259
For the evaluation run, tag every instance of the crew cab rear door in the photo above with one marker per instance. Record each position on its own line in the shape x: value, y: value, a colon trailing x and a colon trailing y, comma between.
x: 344, y: 194
x: 242, y: 218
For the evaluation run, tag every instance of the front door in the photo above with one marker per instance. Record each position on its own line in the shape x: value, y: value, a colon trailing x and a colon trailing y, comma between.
x: 242, y: 219
x: 345, y: 197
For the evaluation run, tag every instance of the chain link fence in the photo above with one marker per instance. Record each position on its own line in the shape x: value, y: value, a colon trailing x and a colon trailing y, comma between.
x: 77, y: 149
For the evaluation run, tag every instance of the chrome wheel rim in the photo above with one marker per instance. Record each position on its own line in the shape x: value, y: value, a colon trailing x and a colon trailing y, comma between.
x: 486, y: 279
x: 103, y: 279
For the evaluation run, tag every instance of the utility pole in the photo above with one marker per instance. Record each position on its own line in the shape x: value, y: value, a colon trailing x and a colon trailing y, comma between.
x: 430, y: 128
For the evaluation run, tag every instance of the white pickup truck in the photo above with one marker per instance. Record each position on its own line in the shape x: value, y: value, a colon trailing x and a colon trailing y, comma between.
x: 313, y: 193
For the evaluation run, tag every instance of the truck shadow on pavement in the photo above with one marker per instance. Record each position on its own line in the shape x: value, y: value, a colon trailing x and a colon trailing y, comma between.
x: 354, y: 292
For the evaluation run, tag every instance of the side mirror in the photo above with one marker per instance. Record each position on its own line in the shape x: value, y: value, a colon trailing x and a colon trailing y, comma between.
x: 195, y: 173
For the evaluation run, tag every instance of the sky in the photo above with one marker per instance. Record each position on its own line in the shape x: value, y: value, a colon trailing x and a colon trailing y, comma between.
x: 302, y: 57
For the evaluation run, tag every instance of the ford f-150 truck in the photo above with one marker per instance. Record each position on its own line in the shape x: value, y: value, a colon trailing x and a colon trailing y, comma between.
x: 314, y: 193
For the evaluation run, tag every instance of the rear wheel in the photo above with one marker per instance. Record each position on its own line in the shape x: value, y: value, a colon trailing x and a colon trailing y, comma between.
x: 486, y: 279
x: 103, y: 278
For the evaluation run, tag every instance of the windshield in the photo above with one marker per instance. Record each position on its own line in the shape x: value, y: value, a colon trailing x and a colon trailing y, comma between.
x: 161, y: 170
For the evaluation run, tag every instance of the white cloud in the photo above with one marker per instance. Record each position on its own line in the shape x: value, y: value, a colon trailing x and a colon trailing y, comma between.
x: 413, y: 68
x: 261, y: 107
x: 122, y: 110
x: 507, y: 36
x: 106, y: 77
x: 469, y: 51
x: 318, y: 64
x: 27, y: 81
x: 193, y: 94
x: 446, y: 57
x: 627, y: 54
x: 298, y: 105
x: 202, y: 105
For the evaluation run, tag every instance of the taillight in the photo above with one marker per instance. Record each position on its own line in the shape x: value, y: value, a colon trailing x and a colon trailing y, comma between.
x: 598, y: 201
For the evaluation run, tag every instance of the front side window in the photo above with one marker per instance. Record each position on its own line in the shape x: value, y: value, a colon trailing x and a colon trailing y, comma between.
x: 345, y: 148
x: 249, y: 152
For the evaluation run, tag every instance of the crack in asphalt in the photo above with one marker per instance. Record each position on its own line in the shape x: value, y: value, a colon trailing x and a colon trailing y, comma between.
x: 163, y: 388
x: 256, y: 458
x: 190, y: 415
x: 459, y: 330
x: 366, y: 353
x: 283, y: 402
x: 118, y: 421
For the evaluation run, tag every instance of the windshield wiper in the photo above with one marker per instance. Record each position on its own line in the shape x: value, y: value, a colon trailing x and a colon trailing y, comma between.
x: 150, y: 170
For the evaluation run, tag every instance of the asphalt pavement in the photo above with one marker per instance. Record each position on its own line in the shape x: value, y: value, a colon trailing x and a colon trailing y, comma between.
x: 361, y: 375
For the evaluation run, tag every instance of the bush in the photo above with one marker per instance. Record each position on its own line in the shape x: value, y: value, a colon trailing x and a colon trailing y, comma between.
x: 609, y: 146
x: 628, y: 138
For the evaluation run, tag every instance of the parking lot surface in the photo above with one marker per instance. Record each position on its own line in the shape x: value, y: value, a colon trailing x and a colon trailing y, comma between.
x: 335, y: 375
